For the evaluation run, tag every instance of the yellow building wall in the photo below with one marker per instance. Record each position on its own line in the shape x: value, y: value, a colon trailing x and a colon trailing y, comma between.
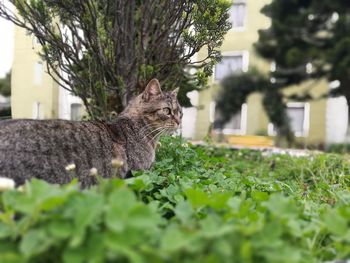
x: 318, y: 107
x: 25, y: 91
x: 238, y: 40
x: 257, y: 120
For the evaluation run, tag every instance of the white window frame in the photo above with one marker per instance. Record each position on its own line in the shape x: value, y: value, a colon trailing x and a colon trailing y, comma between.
x: 245, y: 61
x: 212, y: 107
x: 37, y: 110
x: 80, y: 110
x: 271, y: 131
x: 38, y: 73
x: 243, y: 129
x: 240, y: 28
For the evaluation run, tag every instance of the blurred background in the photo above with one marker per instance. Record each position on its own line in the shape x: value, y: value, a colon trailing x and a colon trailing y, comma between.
x: 282, y: 80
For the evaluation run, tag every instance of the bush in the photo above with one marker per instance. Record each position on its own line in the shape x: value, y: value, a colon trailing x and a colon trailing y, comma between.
x: 5, y: 113
x: 339, y: 148
x: 197, y: 204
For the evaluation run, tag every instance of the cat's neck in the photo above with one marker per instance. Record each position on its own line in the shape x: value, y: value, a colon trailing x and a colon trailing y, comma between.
x: 135, y: 129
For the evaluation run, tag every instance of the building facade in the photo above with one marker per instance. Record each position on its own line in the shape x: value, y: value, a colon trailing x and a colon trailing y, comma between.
x: 323, y: 121
x: 316, y: 122
x: 35, y: 94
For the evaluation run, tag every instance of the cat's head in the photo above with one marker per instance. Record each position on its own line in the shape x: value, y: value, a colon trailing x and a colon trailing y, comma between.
x: 159, y: 109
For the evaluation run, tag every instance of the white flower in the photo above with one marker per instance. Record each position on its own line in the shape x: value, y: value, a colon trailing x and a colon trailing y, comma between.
x: 70, y: 167
x: 116, y: 163
x: 93, y: 171
x: 21, y: 188
x: 6, y: 184
x: 185, y: 145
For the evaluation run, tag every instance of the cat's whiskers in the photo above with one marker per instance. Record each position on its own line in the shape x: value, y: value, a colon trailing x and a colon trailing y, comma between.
x: 151, y: 129
x: 150, y: 133
x: 159, y: 133
x: 154, y: 132
x: 170, y: 129
x: 146, y: 128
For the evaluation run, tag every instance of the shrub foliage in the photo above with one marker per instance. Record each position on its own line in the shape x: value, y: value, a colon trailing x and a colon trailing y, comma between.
x: 106, y: 51
x: 198, y: 204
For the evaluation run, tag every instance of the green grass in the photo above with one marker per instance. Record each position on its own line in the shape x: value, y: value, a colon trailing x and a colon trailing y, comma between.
x: 198, y: 204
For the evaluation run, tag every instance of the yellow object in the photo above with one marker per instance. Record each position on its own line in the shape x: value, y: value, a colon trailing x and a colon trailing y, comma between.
x: 250, y: 140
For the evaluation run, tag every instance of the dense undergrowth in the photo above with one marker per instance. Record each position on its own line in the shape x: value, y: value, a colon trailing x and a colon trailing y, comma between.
x: 198, y: 204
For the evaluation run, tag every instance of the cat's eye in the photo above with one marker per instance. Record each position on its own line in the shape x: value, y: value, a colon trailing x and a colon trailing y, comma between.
x: 167, y: 111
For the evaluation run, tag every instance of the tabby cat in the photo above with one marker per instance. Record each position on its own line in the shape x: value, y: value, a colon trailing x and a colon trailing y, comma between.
x: 59, y: 150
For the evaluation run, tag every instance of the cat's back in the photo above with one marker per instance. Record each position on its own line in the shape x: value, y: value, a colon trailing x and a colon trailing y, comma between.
x: 25, y: 133
x: 44, y: 148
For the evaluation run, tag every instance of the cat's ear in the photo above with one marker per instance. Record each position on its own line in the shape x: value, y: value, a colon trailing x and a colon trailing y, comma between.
x: 175, y: 92
x: 152, y: 90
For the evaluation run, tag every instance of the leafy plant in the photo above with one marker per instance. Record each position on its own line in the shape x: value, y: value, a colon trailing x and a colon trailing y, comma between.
x: 5, y: 85
x: 197, y: 204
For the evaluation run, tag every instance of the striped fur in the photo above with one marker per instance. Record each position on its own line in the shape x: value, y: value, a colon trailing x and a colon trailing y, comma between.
x: 46, y: 149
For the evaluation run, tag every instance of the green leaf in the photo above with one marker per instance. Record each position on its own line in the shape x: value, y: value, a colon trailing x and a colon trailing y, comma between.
x: 34, y: 242
x: 86, y: 210
x: 10, y: 257
x: 219, y: 200
x: 38, y: 195
x: 121, y: 201
x: 142, y: 217
x: 121, y: 249
x: 74, y: 255
x: 197, y: 198
x: 60, y: 229
x: 174, y: 239
x: 213, y: 227
x: 5, y: 231
x: 335, y: 223
x: 282, y: 206
x: 95, y: 247
x: 260, y: 196
x: 184, y: 211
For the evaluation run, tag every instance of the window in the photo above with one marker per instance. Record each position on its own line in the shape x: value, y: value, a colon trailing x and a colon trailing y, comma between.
x: 38, y: 74
x: 298, y: 114
x: 237, y: 14
x: 75, y: 112
x: 237, y: 124
x: 229, y: 65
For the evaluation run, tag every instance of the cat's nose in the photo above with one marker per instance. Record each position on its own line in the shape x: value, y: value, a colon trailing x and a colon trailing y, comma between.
x: 177, y: 120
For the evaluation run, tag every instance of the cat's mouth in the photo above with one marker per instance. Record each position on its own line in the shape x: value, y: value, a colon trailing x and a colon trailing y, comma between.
x: 156, y: 132
x: 173, y: 129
